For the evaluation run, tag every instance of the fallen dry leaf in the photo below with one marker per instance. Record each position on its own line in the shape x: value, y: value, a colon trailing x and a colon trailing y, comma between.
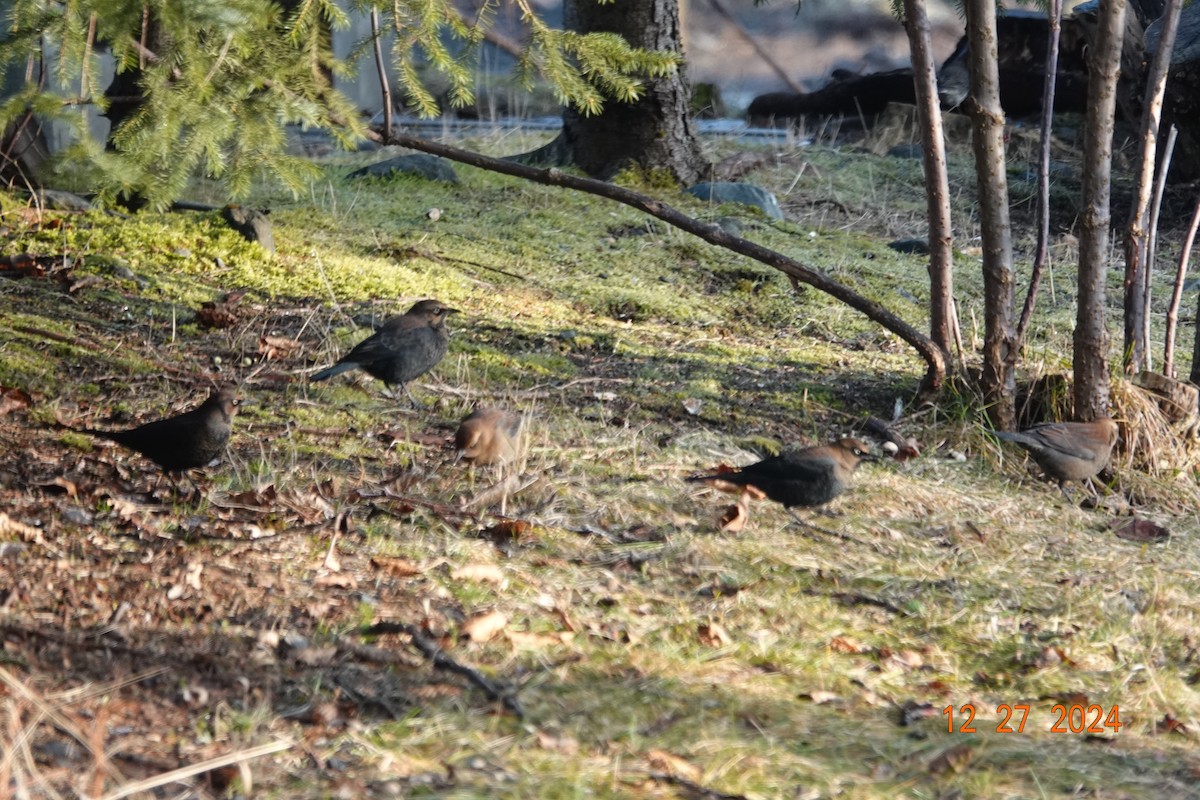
x: 1140, y: 530
x: 734, y: 518
x: 316, y: 656
x: 396, y: 567
x: 557, y: 742
x: 538, y: 641
x: 272, y: 348
x: 844, y: 644
x: 507, y: 530
x: 220, y: 313
x: 911, y: 449
x: 192, y: 574
x: 336, y: 580
x: 1072, y: 698
x: 713, y: 635
x: 13, y: 400
x: 672, y: 764
x: 1169, y: 724
x: 480, y: 573
x: 1049, y: 656
x: 902, y: 659
x: 482, y: 627
x: 729, y: 487
x: 9, y: 526
x: 952, y: 759
x: 820, y: 697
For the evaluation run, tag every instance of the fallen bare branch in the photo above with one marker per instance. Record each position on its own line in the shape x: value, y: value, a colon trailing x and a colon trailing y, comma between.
x: 437, y: 656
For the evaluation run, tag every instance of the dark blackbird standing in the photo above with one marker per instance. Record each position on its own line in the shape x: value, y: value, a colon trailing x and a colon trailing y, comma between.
x: 402, y: 349
x: 809, y: 477
x: 489, y: 436
x: 183, y: 442
x: 1068, y: 451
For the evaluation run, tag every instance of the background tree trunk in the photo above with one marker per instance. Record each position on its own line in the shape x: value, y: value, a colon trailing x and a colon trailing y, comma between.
x: 1137, y: 236
x: 656, y: 131
x: 997, y: 381
x: 942, y: 322
x: 1041, y: 253
x: 1091, y: 336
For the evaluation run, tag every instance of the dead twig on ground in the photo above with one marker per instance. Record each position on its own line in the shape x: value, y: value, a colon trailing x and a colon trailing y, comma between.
x: 438, y: 658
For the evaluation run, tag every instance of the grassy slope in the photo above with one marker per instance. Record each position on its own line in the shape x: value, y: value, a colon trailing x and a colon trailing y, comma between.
x: 971, y: 582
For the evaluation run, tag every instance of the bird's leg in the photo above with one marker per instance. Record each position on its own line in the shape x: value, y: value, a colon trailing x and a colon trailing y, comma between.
x: 195, y: 493
x: 1062, y: 486
x: 412, y: 401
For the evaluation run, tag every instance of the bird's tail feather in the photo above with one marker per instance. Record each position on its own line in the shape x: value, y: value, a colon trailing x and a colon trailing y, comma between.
x: 336, y: 369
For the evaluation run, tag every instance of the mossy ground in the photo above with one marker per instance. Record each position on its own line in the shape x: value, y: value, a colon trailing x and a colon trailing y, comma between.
x: 653, y: 655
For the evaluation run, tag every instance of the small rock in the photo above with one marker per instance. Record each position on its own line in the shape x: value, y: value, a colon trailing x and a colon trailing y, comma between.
x: 11, y: 549
x: 119, y: 269
x: 745, y: 193
x: 433, y: 214
x: 77, y: 516
x: 251, y: 224
x: 423, y: 165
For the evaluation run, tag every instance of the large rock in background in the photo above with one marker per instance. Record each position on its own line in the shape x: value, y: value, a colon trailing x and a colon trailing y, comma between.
x: 1181, y: 105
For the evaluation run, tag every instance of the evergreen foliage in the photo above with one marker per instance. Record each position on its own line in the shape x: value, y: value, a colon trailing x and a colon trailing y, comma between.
x: 219, y: 81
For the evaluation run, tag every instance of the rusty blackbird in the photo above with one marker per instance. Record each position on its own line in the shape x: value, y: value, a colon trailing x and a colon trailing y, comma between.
x: 1068, y: 451
x: 403, y: 348
x: 182, y: 442
x: 489, y: 436
x: 809, y: 477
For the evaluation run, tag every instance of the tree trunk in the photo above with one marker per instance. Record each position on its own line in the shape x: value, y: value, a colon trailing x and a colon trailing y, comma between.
x: 997, y: 381
x: 655, y: 132
x: 1041, y: 253
x: 1137, y: 235
x: 1194, y: 377
x: 1091, y: 336
x: 942, y: 323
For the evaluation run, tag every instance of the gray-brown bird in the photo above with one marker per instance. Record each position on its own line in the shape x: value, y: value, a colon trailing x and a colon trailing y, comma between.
x: 807, y: 478
x: 182, y: 442
x: 404, y: 348
x: 490, y: 436
x: 1068, y: 451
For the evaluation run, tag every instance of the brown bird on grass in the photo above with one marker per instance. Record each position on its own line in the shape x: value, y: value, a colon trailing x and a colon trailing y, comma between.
x: 806, y: 478
x: 489, y: 436
x: 183, y: 442
x: 403, y: 349
x: 1068, y: 451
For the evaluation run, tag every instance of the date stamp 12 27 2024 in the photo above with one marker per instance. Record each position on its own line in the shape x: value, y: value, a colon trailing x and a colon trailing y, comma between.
x: 1012, y: 718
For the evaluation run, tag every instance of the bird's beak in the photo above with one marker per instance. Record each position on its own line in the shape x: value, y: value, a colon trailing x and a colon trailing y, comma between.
x: 449, y: 311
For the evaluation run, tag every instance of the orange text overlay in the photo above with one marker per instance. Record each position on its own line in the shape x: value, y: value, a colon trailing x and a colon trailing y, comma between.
x: 1075, y: 718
